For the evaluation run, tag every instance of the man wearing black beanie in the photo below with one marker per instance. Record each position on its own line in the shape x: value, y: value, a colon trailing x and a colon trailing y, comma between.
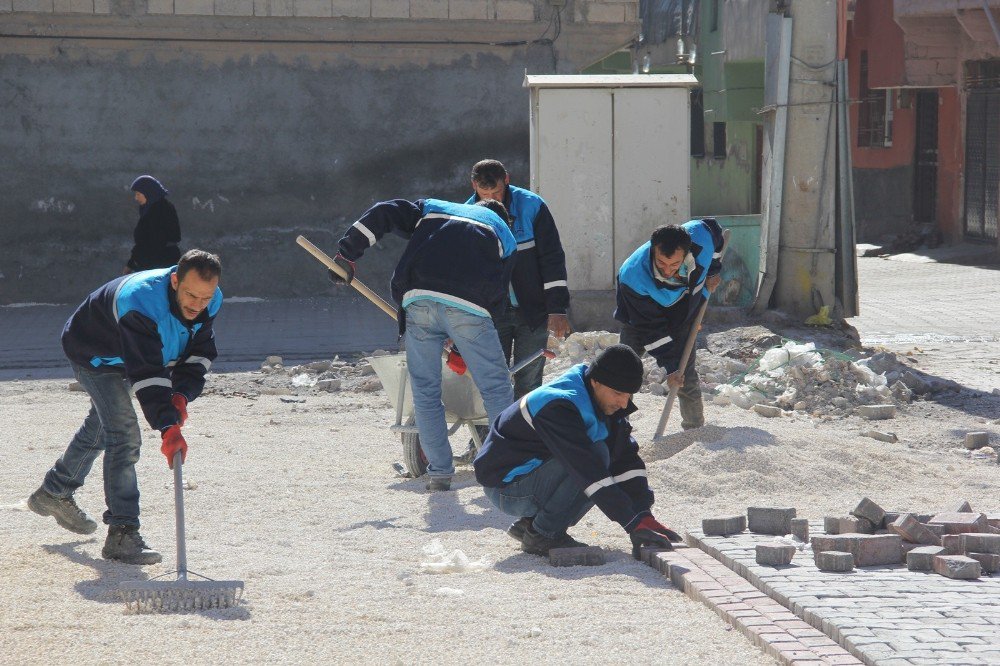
x: 567, y: 446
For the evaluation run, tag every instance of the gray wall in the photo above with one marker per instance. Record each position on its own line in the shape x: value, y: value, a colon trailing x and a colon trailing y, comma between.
x: 258, y: 141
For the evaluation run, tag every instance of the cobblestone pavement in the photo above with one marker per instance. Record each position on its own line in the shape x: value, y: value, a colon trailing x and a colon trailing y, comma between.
x: 766, y: 623
x: 885, y: 616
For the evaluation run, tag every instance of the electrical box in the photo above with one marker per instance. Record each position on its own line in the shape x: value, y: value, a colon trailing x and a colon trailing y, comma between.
x: 610, y: 154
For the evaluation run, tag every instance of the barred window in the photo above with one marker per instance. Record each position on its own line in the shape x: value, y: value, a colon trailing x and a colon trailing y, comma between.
x: 874, y: 112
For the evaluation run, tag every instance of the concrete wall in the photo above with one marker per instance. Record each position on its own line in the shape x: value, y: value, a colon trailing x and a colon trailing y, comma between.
x: 263, y: 122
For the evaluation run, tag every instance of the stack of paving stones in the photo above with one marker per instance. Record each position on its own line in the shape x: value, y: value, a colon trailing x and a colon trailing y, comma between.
x: 855, y: 588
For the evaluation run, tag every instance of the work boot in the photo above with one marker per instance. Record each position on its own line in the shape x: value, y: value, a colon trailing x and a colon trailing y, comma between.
x: 692, y: 412
x: 539, y: 544
x: 436, y: 483
x: 516, y: 530
x: 124, y: 543
x: 64, y: 509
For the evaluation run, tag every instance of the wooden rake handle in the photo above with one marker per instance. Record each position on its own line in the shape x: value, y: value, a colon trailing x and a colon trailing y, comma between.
x: 325, y: 259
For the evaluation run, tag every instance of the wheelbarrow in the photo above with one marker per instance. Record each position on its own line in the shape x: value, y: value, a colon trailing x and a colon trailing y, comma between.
x: 463, y: 404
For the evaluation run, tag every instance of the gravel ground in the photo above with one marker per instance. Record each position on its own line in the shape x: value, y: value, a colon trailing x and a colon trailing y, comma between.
x: 299, y: 500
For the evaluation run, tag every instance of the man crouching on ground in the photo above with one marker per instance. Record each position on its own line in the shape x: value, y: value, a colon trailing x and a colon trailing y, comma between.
x: 567, y: 446
x: 151, y: 330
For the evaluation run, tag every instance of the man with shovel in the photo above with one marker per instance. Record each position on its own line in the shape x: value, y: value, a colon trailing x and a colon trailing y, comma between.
x: 449, y: 283
x: 148, y: 333
x: 660, y: 288
x: 566, y: 447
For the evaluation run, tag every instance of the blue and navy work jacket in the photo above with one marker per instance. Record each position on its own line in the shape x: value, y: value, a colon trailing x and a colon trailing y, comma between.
x: 662, y: 309
x: 457, y: 254
x: 538, y: 285
x: 562, y: 420
x: 132, y: 325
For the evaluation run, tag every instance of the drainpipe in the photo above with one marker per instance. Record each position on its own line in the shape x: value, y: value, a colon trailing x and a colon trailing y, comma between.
x: 993, y: 21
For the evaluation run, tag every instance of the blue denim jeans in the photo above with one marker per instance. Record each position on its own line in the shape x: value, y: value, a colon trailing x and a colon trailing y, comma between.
x: 549, y: 494
x: 110, y: 427
x: 428, y: 324
x: 518, y: 337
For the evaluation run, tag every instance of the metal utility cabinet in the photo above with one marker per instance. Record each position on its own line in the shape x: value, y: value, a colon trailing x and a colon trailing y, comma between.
x: 610, y: 154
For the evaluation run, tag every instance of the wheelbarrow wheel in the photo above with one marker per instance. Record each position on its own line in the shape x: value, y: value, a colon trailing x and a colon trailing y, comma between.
x: 413, y: 455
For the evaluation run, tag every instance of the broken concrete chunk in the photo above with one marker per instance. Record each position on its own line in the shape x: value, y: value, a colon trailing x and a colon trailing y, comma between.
x: 774, y: 554
x: 834, y: 560
x: 769, y: 520
x: 767, y: 410
x: 800, y: 528
x: 869, y: 510
x: 877, y: 412
x: 881, y: 436
x: 922, y: 558
x: 330, y: 385
x: 723, y: 526
x: 976, y: 440
x: 957, y: 566
x: 586, y: 556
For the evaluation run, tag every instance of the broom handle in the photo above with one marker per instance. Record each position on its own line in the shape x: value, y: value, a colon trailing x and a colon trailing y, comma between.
x: 325, y: 259
x: 182, y: 564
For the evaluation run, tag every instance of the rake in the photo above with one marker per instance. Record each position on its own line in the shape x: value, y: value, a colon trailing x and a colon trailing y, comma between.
x: 180, y: 595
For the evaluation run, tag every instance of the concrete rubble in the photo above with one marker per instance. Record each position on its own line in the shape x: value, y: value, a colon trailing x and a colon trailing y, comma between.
x: 318, y: 376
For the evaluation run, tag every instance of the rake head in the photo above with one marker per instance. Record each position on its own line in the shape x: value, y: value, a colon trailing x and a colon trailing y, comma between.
x: 179, y: 596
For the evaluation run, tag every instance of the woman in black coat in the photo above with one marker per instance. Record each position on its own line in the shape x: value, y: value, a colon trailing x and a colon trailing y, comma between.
x: 158, y: 231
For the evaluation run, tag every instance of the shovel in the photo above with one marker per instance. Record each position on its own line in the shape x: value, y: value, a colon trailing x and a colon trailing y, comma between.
x: 181, y: 595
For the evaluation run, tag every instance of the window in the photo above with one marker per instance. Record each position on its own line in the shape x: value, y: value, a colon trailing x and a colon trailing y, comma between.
x: 719, y: 141
x: 874, y: 112
x: 697, y: 123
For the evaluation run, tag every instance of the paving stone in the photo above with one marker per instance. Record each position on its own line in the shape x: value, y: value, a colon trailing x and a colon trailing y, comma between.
x: 870, y: 510
x: 980, y: 543
x: 881, y: 436
x: 770, y: 520
x: 800, y: 528
x: 958, y: 523
x: 977, y: 440
x: 937, y: 528
x: 588, y: 556
x: 855, y: 525
x: 867, y: 549
x: 952, y: 544
x: 831, y: 524
x: 724, y: 526
x: 907, y: 527
x: 963, y: 506
x: 834, y: 560
x: 922, y: 558
x: 774, y: 554
x: 877, y: 412
x: 890, y: 517
x: 990, y: 562
x: 767, y: 411
x: 957, y: 566
x: 993, y: 519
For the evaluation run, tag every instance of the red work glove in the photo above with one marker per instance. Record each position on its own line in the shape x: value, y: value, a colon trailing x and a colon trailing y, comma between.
x: 180, y: 403
x: 173, y: 441
x: 456, y: 362
x: 652, y: 534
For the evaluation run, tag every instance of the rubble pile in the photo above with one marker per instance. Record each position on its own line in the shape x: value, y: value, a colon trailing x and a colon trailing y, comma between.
x: 330, y: 376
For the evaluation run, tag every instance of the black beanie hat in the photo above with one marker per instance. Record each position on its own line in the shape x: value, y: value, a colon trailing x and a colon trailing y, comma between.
x: 619, y: 368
